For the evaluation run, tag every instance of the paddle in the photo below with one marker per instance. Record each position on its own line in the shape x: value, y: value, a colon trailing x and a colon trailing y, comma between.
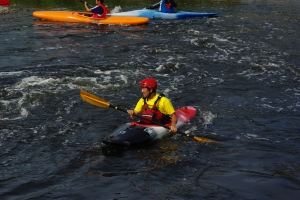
x: 94, y: 100
x: 154, y: 6
x: 87, y: 4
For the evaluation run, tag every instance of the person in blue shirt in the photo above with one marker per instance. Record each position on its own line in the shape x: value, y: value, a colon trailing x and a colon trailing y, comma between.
x: 165, y: 6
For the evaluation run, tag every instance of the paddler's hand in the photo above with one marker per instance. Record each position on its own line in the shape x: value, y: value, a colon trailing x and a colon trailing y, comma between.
x: 173, y: 128
x: 131, y: 113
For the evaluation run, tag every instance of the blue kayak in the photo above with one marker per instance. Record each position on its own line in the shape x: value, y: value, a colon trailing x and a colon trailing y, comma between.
x: 155, y: 14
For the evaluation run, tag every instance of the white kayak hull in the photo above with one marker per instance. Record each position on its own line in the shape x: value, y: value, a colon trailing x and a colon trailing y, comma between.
x: 154, y: 14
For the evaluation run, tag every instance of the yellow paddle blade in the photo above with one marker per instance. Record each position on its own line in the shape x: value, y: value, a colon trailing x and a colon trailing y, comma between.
x: 203, y: 139
x: 94, y: 100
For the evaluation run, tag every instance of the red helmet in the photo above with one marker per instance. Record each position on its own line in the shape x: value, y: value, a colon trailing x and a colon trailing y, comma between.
x: 149, y: 83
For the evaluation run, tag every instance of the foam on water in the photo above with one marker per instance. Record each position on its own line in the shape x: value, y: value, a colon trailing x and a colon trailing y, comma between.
x: 7, y: 74
x: 31, y: 91
x: 208, y: 117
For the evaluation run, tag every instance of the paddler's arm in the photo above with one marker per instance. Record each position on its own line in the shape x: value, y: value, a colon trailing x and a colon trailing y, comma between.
x: 137, y: 110
x: 173, y: 127
x: 132, y: 113
x: 86, y: 6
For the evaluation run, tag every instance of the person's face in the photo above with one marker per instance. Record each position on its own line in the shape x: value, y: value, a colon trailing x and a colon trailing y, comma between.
x: 146, y: 92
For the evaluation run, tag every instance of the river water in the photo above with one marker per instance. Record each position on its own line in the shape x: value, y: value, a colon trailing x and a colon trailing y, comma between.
x: 240, y: 70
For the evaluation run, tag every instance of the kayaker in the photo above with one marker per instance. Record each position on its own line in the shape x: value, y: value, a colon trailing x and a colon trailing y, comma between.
x: 154, y: 106
x: 165, y: 6
x: 99, y: 11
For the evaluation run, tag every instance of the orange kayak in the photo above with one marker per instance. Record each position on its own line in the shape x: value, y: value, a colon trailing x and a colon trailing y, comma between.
x: 86, y: 17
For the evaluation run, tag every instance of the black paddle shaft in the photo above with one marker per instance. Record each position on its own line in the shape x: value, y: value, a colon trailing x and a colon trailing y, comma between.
x: 87, y: 4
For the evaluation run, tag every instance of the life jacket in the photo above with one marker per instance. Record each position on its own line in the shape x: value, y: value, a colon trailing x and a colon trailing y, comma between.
x: 103, y: 15
x: 168, y: 5
x: 154, y: 114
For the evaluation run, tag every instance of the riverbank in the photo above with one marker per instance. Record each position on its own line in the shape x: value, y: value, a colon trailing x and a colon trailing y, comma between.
x: 11, y: 9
